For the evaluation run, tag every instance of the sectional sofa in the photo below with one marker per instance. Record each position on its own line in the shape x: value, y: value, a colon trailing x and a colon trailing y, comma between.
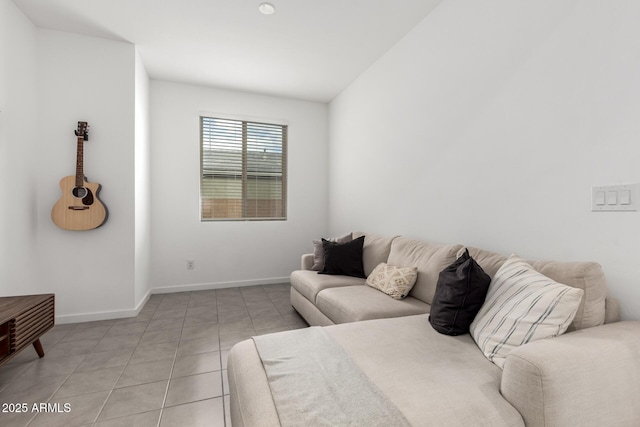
x: 589, y: 376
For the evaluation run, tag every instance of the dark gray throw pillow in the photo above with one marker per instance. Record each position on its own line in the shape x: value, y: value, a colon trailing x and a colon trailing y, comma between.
x: 460, y: 292
x: 343, y: 258
x: 318, y: 250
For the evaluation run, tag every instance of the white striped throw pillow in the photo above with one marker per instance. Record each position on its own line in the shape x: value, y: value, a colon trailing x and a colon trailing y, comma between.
x: 522, y: 306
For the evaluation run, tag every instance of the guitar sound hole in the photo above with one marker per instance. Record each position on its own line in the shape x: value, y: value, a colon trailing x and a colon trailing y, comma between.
x: 80, y: 192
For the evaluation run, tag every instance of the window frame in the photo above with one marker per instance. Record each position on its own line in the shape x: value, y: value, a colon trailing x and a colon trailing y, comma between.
x: 284, y: 145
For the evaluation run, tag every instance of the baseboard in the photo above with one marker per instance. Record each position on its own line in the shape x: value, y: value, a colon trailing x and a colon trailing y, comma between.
x: 219, y: 285
x: 103, y: 315
x: 122, y: 314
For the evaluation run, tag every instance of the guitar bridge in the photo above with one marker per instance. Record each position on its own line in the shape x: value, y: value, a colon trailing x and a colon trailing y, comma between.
x: 78, y: 208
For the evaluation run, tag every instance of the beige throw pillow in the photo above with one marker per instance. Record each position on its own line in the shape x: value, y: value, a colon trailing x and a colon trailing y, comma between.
x: 522, y: 305
x: 393, y: 281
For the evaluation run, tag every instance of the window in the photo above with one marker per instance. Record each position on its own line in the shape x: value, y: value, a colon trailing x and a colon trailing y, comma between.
x: 243, y: 170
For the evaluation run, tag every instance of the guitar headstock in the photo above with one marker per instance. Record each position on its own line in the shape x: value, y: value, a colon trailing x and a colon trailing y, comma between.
x: 83, y: 129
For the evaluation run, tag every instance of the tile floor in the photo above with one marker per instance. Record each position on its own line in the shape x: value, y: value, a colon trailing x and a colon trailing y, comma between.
x: 166, y: 367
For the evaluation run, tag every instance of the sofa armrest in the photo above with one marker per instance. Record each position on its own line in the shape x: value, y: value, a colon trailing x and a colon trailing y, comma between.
x: 306, y: 262
x: 590, y: 377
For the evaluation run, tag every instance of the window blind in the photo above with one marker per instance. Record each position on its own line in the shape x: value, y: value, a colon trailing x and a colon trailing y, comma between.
x: 243, y: 169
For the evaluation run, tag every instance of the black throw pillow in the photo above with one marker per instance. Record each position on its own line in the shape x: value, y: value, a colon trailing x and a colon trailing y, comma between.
x: 460, y: 292
x: 343, y: 258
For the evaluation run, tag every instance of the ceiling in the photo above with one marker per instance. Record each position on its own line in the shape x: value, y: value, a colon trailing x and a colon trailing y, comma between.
x: 308, y: 49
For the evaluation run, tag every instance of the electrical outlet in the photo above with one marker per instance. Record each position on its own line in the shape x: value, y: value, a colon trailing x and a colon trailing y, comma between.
x: 191, y: 264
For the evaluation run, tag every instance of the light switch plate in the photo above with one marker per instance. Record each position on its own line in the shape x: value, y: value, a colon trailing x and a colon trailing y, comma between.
x: 615, y: 198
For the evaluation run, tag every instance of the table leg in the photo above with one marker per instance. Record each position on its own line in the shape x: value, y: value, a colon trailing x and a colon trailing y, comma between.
x: 38, y: 346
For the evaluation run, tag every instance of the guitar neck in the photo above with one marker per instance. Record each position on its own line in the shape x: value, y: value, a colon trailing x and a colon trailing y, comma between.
x: 80, y: 161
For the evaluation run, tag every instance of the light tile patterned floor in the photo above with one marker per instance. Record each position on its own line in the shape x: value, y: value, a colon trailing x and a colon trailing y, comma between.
x: 166, y: 367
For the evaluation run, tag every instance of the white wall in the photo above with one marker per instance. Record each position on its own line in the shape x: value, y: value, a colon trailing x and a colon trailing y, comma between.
x: 230, y: 252
x: 489, y: 123
x: 106, y: 272
x: 18, y: 137
x: 89, y: 79
x: 142, y: 184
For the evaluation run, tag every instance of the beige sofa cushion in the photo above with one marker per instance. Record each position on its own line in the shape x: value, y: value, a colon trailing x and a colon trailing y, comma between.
x: 433, y: 379
x: 587, y: 276
x: 429, y: 258
x: 308, y: 310
x: 374, y: 251
x: 309, y: 283
x: 356, y: 303
x: 489, y: 261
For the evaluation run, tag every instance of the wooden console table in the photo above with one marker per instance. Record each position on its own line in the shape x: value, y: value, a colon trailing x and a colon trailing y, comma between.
x: 23, y: 320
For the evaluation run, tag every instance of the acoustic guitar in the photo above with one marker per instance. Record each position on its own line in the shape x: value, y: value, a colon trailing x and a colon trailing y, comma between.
x: 79, y: 207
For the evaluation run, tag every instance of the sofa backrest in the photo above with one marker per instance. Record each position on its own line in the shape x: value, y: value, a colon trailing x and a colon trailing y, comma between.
x: 587, y: 276
x: 429, y: 258
x: 375, y: 250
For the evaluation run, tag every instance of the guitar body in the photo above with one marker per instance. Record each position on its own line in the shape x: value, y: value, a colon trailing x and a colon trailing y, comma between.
x: 79, y: 207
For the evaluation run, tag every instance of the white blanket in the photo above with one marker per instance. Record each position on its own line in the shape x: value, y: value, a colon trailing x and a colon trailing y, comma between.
x: 314, y: 382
